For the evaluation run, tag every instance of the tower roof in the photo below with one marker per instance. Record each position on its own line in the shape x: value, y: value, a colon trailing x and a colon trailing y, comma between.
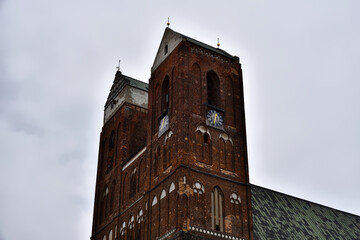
x: 120, y: 81
x: 172, y: 39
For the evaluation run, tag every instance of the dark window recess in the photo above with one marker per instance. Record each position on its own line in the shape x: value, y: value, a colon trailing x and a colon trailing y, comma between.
x: 132, y: 184
x: 166, y: 49
x: 112, y: 140
x: 165, y: 95
x: 206, y: 138
x: 213, y: 89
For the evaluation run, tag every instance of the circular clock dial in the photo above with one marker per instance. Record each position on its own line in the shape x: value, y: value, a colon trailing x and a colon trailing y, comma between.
x: 214, y: 118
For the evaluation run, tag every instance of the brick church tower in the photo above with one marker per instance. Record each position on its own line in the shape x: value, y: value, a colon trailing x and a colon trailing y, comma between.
x: 173, y: 156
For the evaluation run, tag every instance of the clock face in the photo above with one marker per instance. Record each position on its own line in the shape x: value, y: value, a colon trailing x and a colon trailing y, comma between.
x: 214, y: 119
x: 163, y: 125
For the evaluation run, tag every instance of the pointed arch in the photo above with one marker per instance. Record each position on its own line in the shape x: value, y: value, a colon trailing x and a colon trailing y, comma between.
x: 155, y: 109
x: 165, y: 97
x: 154, y: 201
x: 199, y: 203
x: 123, y: 230
x: 111, y: 235
x: 203, y: 144
x: 217, y: 209
x: 139, y: 226
x: 133, y: 187
x: 196, y: 102
x: 163, y: 194
x: 172, y: 187
x: 222, y: 152
x: 213, y: 88
x: 112, y: 140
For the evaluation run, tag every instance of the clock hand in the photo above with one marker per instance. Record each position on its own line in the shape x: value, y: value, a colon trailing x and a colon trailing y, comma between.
x: 215, y: 118
x: 162, y: 122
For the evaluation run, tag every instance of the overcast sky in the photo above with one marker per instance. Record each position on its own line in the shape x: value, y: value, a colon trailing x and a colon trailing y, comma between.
x: 58, y: 59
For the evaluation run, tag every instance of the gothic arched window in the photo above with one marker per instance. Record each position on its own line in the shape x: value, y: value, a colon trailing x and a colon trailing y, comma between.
x: 123, y: 229
x: 163, y: 194
x: 236, y: 202
x: 206, y: 138
x: 132, y: 183
x: 105, y: 203
x: 213, y: 89
x: 112, y: 140
x: 217, y: 210
x: 165, y: 99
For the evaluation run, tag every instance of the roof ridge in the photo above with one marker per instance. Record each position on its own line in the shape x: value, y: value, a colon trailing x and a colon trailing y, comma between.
x: 205, y: 45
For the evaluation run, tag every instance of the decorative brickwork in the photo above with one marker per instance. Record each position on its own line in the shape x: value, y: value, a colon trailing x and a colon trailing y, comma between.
x: 172, y: 170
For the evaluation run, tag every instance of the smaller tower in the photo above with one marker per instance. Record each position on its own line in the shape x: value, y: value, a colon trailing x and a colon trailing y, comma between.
x: 123, y: 135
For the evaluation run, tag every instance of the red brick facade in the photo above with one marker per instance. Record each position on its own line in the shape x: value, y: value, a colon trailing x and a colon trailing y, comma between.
x: 192, y: 181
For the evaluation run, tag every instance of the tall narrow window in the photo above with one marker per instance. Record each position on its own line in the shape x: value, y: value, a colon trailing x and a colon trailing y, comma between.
x: 213, y: 88
x: 105, y: 202
x: 165, y: 95
x: 112, y: 140
x: 206, y: 138
x: 132, y: 183
x: 217, y: 221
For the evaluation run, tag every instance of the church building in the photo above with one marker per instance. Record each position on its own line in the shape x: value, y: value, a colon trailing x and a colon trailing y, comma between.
x: 173, y: 159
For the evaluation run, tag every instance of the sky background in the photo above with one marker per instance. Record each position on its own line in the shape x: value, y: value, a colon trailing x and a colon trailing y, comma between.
x: 58, y: 59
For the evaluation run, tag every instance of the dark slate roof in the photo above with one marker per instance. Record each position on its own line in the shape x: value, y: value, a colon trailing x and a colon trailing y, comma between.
x: 208, y: 47
x: 119, y: 84
x: 280, y: 216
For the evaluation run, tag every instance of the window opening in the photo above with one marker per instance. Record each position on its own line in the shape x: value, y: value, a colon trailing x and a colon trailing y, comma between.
x: 213, y: 85
x: 154, y: 201
x: 112, y: 140
x: 217, y: 210
x: 165, y: 95
x: 206, y: 138
x: 172, y: 187
x: 132, y: 183
x: 163, y: 194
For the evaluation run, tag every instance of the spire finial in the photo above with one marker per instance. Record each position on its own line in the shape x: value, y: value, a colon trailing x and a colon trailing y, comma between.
x: 218, y: 44
x: 168, y: 22
x: 118, y: 67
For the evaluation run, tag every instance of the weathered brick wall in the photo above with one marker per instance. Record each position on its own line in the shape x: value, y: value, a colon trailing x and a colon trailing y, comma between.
x: 171, y: 165
x: 223, y: 156
x: 129, y: 126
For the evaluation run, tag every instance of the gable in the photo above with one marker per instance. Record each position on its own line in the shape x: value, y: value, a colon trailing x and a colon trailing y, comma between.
x: 280, y: 216
x: 171, y: 39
